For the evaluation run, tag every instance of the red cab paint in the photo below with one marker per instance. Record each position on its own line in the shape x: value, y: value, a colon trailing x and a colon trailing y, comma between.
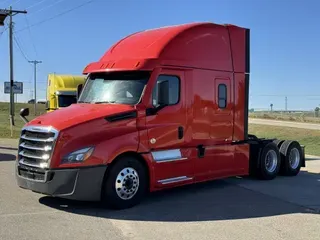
x: 161, y: 108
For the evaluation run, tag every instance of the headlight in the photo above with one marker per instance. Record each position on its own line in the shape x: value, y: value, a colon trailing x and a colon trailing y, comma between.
x: 78, y: 156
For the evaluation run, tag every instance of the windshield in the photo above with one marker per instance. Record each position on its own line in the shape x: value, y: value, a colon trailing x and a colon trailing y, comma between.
x: 114, y: 87
x: 66, y: 100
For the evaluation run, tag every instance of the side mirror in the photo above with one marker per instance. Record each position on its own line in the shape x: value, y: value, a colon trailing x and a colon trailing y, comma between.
x: 163, y: 93
x: 163, y: 98
x: 79, y: 90
x: 24, y: 112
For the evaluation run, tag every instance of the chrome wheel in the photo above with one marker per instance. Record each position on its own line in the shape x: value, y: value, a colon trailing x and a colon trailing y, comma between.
x: 127, y: 183
x: 271, y: 161
x: 294, y: 158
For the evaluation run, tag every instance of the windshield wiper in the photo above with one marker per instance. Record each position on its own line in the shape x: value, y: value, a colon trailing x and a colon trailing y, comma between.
x: 99, y: 102
x: 82, y: 102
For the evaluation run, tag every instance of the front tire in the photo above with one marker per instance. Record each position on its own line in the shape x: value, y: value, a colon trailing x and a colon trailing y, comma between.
x: 125, y: 184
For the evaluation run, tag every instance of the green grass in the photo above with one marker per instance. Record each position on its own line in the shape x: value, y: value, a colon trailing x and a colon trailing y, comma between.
x: 307, y: 117
x: 309, y: 138
x: 5, y: 130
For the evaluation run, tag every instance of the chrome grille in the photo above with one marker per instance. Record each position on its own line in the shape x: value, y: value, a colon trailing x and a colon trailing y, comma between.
x: 36, y: 146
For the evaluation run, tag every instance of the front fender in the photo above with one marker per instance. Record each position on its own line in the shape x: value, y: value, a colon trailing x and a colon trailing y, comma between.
x: 109, y: 140
x: 108, y: 150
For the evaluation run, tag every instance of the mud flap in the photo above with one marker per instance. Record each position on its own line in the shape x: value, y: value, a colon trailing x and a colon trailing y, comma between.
x: 303, y: 163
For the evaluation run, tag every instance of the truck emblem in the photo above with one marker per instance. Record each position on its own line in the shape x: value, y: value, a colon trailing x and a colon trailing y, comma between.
x: 153, y: 140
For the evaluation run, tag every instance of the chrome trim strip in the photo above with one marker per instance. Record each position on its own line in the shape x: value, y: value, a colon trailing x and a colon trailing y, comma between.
x: 171, y: 160
x: 167, y: 155
x: 21, y: 161
x: 37, y: 139
x: 174, y: 180
x: 47, y: 148
x: 21, y: 153
x: 45, y: 129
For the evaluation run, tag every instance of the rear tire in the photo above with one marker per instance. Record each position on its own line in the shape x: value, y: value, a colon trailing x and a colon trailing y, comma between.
x: 269, y: 162
x: 278, y: 142
x: 125, y: 184
x: 291, y: 158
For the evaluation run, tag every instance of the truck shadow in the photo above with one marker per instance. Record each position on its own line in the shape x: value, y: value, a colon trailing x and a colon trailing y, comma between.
x: 9, y: 148
x: 4, y: 157
x: 312, y: 158
x: 211, y: 201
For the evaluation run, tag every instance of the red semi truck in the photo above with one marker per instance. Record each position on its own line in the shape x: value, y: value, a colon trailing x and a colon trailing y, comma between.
x: 160, y: 109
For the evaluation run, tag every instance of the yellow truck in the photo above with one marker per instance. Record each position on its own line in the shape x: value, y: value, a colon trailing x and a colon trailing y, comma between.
x: 62, y: 90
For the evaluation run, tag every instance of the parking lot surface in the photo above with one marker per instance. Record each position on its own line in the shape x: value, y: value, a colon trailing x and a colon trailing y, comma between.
x: 236, y: 208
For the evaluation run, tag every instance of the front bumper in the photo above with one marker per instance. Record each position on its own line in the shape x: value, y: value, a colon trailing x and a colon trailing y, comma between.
x: 82, y: 184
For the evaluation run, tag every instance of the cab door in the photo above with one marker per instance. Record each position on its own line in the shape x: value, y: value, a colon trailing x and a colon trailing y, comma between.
x: 221, y: 129
x: 166, y: 122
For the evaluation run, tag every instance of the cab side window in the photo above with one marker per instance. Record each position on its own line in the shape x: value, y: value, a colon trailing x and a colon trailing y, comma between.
x: 168, y: 88
x: 222, y: 96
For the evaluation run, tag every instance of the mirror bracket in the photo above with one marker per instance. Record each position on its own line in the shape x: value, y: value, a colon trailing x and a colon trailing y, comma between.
x: 155, y: 110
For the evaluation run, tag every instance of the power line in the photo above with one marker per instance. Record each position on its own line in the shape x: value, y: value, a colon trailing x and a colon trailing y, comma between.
x: 4, y: 1
x: 20, y: 49
x: 34, y: 47
x: 283, y: 95
x: 15, y: 2
x: 5, y: 29
x: 36, y: 4
x: 48, y: 6
x: 55, y: 16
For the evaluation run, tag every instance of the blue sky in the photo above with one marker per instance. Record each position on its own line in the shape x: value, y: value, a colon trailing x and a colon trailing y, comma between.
x: 285, y: 36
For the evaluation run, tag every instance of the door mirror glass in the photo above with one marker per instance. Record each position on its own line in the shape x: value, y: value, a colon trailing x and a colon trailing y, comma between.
x: 163, y: 93
x: 166, y: 92
x: 24, y: 112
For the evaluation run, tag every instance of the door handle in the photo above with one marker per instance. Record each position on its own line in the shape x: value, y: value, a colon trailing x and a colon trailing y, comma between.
x: 180, y: 132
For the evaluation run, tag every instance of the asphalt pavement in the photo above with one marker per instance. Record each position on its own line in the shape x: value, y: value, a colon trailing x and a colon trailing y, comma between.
x: 237, y: 208
x: 269, y: 122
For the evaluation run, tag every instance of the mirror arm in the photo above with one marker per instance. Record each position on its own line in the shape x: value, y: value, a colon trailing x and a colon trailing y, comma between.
x: 24, y: 119
x: 155, y: 110
x: 160, y: 107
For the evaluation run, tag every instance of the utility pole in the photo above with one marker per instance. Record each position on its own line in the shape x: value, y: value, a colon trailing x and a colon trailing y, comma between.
x: 11, y: 70
x: 35, y: 62
x: 3, y: 14
x: 286, y: 103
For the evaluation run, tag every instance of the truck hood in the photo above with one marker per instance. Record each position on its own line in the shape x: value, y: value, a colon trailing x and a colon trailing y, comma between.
x: 78, y: 113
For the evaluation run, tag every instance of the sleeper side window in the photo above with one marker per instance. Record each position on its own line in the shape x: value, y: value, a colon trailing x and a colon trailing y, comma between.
x: 222, y: 96
x: 166, y: 91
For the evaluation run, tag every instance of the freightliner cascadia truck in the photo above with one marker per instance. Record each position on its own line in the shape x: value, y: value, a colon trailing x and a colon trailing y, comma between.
x: 160, y: 109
